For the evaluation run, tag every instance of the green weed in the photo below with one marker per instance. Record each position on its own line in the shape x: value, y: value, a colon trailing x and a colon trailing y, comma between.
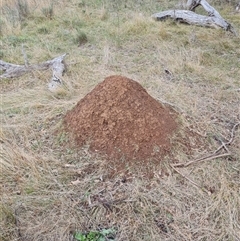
x: 102, y: 235
x: 30, y: 190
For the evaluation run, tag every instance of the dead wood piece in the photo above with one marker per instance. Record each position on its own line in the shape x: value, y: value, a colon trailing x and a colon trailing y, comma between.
x: 15, y: 70
x: 212, y: 12
x: 238, y: 7
x: 202, y: 159
x: 58, y: 68
x: 57, y: 64
x: 12, y: 70
x: 192, y: 4
x: 192, y: 18
x: 213, y: 20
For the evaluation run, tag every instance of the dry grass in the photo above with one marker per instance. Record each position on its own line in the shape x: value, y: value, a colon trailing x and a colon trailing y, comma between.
x: 50, y: 191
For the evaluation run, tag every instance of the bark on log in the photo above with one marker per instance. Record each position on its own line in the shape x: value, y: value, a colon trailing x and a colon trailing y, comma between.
x: 238, y: 7
x: 212, y: 12
x: 190, y: 17
x: 213, y: 20
x: 57, y: 64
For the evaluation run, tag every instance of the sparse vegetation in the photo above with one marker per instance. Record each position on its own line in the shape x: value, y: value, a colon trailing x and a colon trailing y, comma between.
x: 51, y: 192
x: 81, y: 38
x: 95, y: 235
x: 48, y: 11
x: 22, y: 9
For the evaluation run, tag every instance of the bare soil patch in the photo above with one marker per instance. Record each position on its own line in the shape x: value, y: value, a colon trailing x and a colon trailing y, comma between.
x: 119, y: 119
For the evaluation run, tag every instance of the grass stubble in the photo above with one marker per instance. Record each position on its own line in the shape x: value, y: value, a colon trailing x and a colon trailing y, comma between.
x: 49, y: 191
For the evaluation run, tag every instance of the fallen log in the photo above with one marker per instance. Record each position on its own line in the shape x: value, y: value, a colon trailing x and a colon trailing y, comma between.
x: 57, y: 65
x: 190, y: 17
x: 238, y: 7
x: 213, y: 20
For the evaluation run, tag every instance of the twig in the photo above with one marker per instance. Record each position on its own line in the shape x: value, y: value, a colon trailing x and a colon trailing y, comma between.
x: 214, y: 155
x: 222, y: 146
x: 108, y: 204
x: 191, y: 181
x: 233, y: 133
x: 230, y: 140
x: 238, y: 170
x: 207, y: 158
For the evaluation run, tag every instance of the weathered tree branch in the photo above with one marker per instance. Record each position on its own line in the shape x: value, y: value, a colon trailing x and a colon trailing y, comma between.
x: 15, y: 70
x: 57, y: 64
x: 213, y: 20
x: 190, y: 17
x: 237, y: 7
x: 212, y: 12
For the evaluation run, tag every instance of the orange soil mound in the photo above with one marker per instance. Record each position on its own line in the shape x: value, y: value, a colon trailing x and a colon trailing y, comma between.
x: 120, y: 119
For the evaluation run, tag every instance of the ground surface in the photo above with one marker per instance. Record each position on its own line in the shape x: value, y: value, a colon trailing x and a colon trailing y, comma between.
x: 49, y: 190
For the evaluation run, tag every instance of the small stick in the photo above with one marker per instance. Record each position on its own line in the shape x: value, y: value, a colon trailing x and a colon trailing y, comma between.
x: 238, y: 170
x: 213, y: 156
x: 230, y: 140
x: 191, y: 181
x: 207, y: 158
x: 225, y: 146
x: 233, y: 133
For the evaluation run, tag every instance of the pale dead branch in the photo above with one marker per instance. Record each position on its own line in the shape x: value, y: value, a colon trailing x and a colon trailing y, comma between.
x: 187, y: 178
x: 213, y: 20
x: 14, y: 70
x: 238, y: 7
x: 206, y: 158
